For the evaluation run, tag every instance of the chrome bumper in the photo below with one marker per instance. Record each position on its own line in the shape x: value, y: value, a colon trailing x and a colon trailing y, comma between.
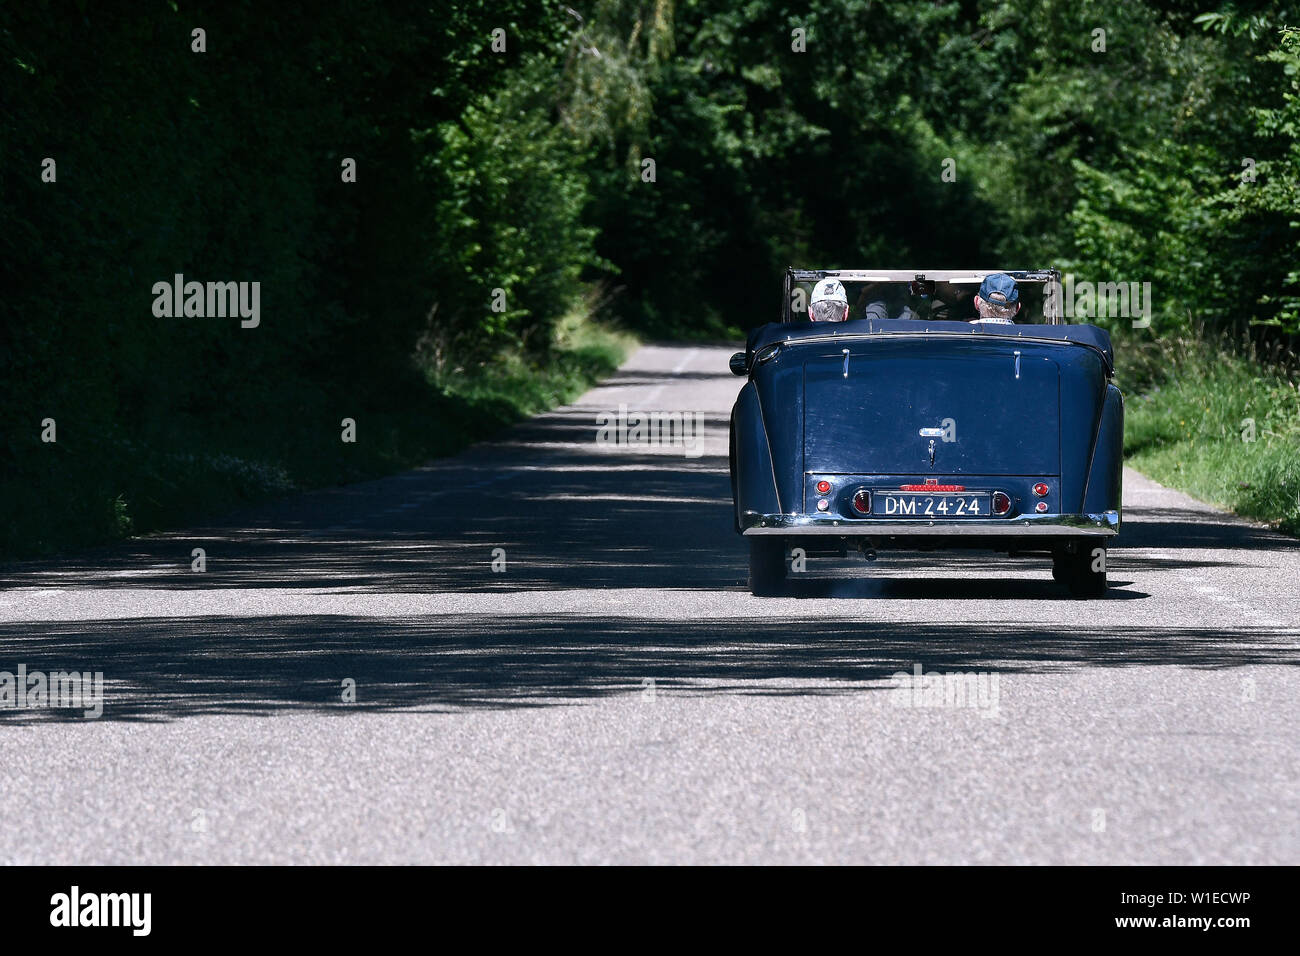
x: 1089, y: 525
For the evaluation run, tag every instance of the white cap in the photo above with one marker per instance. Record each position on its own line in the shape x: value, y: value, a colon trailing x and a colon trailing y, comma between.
x: 829, y: 290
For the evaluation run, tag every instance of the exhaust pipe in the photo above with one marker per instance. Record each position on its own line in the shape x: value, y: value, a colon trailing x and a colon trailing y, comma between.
x: 867, y: 550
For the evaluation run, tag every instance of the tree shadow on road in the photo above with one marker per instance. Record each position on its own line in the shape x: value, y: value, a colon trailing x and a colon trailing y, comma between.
x: 572, y: 518
x: 564, y: 515
x: 169, y: 668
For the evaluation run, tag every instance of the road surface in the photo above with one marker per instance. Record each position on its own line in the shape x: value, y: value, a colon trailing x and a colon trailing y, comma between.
x: 611, y: 693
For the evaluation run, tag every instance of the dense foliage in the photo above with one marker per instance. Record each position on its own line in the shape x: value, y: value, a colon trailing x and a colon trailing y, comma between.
x: 519, y: 160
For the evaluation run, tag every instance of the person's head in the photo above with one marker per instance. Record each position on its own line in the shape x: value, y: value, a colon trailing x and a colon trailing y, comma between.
x: 830, y: 303
x: 998, y: 299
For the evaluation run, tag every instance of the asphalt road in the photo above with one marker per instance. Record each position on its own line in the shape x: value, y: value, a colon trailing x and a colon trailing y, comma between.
x: 614, y: 694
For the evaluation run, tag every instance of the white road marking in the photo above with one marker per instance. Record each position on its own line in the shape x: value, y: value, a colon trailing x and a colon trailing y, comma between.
x: 677, y: 370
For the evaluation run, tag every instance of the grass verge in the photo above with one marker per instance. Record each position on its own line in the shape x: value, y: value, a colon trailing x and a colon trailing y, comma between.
x: 1216, y: 423
x: 513, y: 387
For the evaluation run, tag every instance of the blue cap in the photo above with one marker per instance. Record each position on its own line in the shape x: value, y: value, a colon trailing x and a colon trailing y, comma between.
x: 999, y: 289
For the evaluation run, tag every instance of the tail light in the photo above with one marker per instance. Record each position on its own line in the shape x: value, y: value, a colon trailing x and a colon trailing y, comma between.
x: 862, y: 502
x: 1040, y: 507
x: 1040, y: 489
x: 823, y: 487
x: 1001, y: 503
x: 931, y: 487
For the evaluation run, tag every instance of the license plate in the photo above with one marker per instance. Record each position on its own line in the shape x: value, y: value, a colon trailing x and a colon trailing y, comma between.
x: 931, y: 506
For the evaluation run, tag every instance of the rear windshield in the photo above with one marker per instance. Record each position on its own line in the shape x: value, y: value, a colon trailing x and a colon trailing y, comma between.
x: 929, y: 301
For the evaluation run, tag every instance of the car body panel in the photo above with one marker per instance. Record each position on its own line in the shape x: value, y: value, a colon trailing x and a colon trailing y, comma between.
x: 753, y: 479
x: 995, y: 406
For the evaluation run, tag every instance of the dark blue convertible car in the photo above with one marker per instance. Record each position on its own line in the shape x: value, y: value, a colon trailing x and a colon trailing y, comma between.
x: 921, y: 426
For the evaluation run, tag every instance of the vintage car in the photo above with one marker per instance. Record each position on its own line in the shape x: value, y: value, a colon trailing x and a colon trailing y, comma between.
x: 927, y: 430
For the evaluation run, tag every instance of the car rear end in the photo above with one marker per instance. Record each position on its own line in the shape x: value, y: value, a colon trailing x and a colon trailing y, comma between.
x: 948, y: 436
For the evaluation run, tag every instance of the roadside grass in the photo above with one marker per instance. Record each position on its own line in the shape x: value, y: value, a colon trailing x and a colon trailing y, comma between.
x: 513, y: 386
x: 1211, y: 420
x: 96, y: 486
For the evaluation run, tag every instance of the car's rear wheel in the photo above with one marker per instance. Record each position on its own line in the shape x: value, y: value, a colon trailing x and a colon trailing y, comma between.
x: 766, y: 565
x: 1082, y: 570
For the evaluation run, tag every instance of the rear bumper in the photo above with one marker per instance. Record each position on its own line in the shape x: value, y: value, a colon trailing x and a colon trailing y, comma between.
x: 1059, y: 526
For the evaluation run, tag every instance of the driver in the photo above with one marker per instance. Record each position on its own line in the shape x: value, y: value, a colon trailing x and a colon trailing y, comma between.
x: 998, y: 300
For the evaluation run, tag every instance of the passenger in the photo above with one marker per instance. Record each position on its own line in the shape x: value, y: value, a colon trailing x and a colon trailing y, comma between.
x: 998, y: 299
x: 830, y: 303
x: 879, y: 309
x: 884, y: 304
x: 876, y: 309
